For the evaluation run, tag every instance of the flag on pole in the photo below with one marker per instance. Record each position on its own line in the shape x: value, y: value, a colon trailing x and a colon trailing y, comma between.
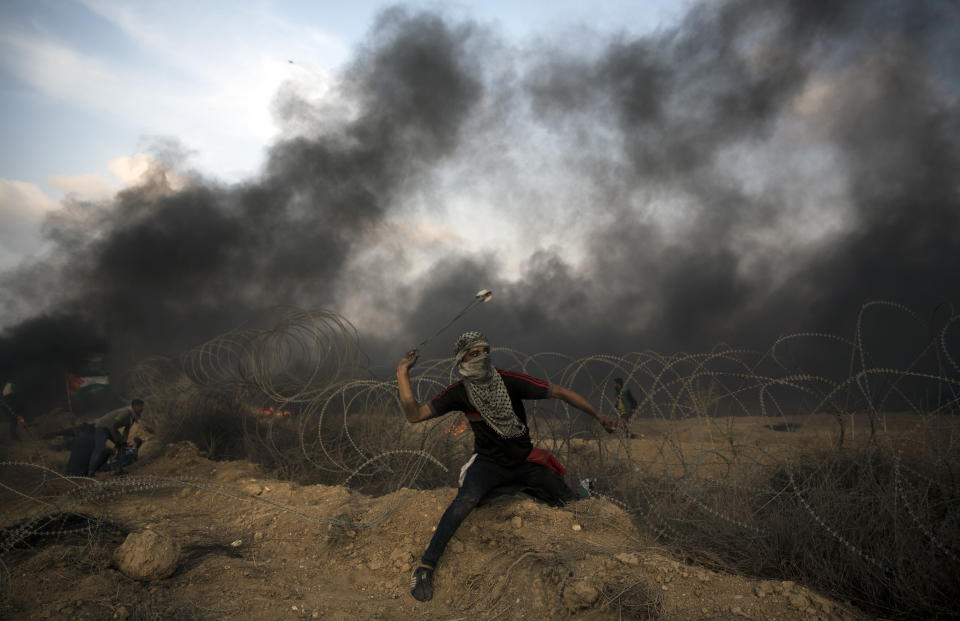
x: 87, y: 384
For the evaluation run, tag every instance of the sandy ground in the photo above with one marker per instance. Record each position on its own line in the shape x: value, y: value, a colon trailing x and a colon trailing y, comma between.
x: 255, y: 548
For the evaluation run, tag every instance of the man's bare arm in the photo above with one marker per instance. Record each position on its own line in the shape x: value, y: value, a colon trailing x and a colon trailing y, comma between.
x: 413, y: 411
x: 576, y: 400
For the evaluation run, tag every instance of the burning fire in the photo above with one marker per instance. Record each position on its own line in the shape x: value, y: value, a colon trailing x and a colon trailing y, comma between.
x: 457, y: 428
x: 272, y: 411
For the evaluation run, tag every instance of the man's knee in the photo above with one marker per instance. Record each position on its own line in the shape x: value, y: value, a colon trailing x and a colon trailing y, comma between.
x: 466, y: 500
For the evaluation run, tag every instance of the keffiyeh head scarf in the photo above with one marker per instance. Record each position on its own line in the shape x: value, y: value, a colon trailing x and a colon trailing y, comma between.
x: 485, y: 388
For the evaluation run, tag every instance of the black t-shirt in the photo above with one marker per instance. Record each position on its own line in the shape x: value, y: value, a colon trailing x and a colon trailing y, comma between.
x: 487, y: 442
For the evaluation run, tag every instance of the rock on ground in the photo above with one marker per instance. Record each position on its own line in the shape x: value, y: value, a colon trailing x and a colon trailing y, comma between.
x: 147, y: 555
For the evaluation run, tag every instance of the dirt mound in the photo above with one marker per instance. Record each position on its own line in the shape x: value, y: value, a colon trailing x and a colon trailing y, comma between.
x: 253, y: 547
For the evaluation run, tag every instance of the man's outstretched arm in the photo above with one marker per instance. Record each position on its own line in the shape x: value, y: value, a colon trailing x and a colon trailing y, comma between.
x: 413, y: 411
x: 576, y: 400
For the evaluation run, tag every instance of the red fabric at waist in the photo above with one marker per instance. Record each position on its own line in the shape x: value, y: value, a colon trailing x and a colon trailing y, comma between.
x: 547, y: 460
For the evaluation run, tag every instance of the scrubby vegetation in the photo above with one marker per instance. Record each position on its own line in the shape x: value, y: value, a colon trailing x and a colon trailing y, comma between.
x: 844, y: 479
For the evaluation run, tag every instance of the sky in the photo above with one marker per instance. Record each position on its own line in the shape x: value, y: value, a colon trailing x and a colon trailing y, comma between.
x: 624, y: 176
x: 89, y: 85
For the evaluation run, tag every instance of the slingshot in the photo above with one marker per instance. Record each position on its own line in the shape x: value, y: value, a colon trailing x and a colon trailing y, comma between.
x: 482, y: 296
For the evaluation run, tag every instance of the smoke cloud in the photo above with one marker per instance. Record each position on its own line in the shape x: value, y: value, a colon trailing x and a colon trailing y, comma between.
x: 756, y: 169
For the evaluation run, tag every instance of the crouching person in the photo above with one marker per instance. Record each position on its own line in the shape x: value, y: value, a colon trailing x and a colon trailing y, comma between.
x: 125, y: 457
x: 492, y: 400
x: 108, y: 427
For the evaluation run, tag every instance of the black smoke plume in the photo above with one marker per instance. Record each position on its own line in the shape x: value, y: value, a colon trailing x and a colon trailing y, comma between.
x: 161, y: 269
x: 706, y: 116
x: 37, y: 354
x: 757, y: 168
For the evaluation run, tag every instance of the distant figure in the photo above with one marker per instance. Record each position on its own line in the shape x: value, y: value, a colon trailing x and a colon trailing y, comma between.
x: 492, y: 400
x: 10, y: 409
x: 626, y: 404
x: 125, y: 456
x: 108, y: 427
x: 81, y: 448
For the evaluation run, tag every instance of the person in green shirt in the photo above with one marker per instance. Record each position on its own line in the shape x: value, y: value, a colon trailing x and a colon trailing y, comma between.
x: 11, y: 409
x: 626, y: 404
x: 108, y: 427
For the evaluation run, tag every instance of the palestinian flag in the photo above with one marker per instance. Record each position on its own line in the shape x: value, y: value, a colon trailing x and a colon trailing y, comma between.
x: 87, y: 384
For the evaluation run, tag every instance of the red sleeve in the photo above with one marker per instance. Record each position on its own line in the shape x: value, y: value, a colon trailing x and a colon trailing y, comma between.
x: 526, y: 386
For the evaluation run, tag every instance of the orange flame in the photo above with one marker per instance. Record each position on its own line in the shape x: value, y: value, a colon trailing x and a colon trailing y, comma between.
x: 272, y: 411
x: 457, y: 428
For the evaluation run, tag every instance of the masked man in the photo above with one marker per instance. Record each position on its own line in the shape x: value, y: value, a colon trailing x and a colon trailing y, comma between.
x: 492, y: 400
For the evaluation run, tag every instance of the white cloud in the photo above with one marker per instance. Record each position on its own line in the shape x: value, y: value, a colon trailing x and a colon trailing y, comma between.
x: 135, y: 170
x: 62, y: 72
x: 23, y: 207
x: 125, y: 172
x: 56, y: 69
x: 211, y: 78
x: 83, y: 186
x: 131, y: 170
x: 234, y: 65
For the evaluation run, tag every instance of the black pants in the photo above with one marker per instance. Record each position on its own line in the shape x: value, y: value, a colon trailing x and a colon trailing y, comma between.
x: 100, y: 453
x: 10, y: 410
x: 484, y: 476
x: 81, y: 448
